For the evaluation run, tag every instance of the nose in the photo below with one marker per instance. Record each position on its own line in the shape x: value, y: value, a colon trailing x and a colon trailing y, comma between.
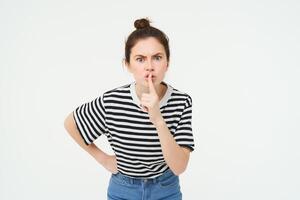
x: 149, y: 66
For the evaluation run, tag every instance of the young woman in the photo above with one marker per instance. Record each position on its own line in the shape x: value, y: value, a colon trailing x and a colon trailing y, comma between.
x: 148, y: 123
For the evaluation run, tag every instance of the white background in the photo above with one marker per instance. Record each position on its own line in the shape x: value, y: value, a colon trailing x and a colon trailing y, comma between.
x: 239, y: 60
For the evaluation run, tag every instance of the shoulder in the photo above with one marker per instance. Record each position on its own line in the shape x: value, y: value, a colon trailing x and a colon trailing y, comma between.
x: 124, y: 89
x: 111, y: 95
x: 181, y: 95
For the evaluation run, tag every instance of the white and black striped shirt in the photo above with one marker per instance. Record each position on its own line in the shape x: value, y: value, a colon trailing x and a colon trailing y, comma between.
x: 133, y: 138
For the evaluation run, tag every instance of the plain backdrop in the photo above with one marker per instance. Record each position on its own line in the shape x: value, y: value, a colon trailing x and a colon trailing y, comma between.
x: 239, y: 60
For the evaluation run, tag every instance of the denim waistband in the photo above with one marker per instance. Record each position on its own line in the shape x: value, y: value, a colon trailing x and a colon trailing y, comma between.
x: 138, y: 181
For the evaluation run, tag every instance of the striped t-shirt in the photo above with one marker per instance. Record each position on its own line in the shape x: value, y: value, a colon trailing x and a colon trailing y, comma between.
x: 117, y: 114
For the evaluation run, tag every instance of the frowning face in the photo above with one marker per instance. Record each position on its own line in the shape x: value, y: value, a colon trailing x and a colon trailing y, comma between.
x: 148, y: 56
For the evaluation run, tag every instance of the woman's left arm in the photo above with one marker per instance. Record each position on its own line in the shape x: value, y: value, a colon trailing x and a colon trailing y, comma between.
x: 177, y: 157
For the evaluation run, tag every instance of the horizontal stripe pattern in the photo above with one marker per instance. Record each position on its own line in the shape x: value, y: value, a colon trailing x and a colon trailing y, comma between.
x: 131, y: 134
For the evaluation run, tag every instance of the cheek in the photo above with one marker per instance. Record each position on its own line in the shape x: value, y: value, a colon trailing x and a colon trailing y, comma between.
x: 163, y: 64
x: 138, y: 72
x: 163, y: 67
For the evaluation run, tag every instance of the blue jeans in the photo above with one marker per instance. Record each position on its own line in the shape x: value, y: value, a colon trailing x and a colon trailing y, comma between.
x: 164, y: 187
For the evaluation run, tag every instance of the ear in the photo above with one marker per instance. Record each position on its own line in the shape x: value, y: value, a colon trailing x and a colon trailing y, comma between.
x: 167, y: 66
x: 127, y: 65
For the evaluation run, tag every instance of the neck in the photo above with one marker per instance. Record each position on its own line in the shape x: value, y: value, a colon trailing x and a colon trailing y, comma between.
x: 160, y: 90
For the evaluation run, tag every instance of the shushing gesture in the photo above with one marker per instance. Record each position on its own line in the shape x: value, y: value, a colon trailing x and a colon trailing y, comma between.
x: 150, y: 102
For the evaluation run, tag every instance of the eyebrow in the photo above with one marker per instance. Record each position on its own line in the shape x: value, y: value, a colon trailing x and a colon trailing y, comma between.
x: 152, y: 55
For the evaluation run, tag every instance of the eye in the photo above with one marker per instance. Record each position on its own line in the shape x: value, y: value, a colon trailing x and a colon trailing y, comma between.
x: 158, y: 57
x: 139, y: 59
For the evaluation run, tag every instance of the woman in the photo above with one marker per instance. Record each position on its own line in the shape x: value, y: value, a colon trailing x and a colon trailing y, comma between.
x: 148, y: 123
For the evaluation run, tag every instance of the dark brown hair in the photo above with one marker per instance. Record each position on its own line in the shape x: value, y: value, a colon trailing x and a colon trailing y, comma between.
x: 143, y: 31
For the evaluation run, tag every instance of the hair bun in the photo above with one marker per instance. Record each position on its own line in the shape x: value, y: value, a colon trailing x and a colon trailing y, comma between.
x: 142, y: 23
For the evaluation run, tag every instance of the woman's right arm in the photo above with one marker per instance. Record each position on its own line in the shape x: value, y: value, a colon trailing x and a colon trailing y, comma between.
x: 107, y: 161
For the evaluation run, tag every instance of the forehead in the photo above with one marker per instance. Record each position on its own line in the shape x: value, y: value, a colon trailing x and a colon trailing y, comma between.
x: 147, y: 46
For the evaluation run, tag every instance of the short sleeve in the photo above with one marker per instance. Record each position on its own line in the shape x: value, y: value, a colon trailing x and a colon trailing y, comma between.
x: 183, y: 134
x: 90, y: 119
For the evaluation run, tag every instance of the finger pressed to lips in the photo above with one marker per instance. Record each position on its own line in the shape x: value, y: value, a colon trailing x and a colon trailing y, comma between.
x: 146, y: 78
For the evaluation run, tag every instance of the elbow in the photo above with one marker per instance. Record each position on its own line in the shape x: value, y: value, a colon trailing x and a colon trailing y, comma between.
x: 179, y: 170
x: 68, y: 125
x: 68, y: 128
x: 179, y: 167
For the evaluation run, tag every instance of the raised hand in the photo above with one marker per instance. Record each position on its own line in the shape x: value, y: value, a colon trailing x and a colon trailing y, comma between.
x: 150, y: 102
